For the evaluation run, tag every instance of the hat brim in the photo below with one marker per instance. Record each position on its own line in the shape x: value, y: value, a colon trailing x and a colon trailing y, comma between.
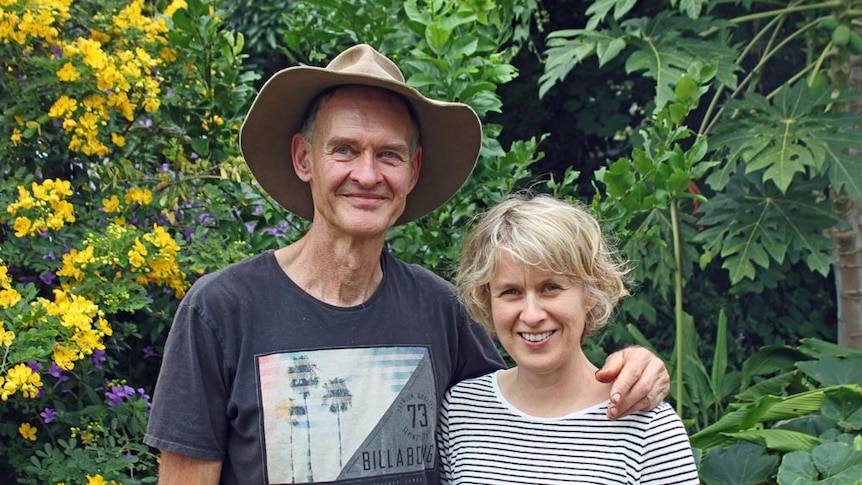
x: 450, y: 136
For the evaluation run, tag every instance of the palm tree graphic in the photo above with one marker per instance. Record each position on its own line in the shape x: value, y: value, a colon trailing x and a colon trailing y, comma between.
x: 303, y: 376
x: 287, y: 410
x: 339, y: 399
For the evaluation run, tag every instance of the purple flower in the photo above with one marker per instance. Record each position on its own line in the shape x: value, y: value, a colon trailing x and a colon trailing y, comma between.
x: 48, y: 415
x: 97, y: 358
x: 149, y: 352
x: 146, y: 123
x: 57, y: 373
x: 48, y: 277
x: 249, y: 226
x: 50, y: 256
x: 118, y: 394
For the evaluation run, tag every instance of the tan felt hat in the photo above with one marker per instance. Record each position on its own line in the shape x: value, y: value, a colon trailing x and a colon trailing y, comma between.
x: 450, y: 133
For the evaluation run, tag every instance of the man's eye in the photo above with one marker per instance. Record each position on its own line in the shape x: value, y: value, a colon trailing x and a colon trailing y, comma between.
x: 342, y: 151
x: 392, y: 157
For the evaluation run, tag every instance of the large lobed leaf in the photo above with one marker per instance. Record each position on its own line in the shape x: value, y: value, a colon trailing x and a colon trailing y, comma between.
x: 751, y: 224
x: 791, y: 137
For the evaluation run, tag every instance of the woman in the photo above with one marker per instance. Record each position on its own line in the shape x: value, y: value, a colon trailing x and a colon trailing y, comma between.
x: 539, y: 276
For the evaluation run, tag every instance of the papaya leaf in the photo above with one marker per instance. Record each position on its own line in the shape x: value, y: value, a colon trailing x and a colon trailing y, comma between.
x: 791, y: 134
x: 664, y: 51
x: 751, y: 224
x: 778, y: 439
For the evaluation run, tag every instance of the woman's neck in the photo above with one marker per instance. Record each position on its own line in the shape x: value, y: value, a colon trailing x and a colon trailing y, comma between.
x: 553, y: 395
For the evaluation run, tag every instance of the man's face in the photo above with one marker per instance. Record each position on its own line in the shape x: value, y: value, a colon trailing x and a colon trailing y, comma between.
x: 359, y: 162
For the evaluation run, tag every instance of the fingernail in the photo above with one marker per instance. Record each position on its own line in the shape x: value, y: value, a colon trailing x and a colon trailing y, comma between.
x: 613, y: 411
x: 616, y: 397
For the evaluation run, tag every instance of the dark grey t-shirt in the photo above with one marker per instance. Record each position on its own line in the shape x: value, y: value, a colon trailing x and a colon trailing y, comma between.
x: 286, y: 389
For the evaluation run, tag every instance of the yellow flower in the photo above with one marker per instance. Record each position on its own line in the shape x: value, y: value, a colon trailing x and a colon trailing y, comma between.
x: 9, y: 297
x: 21, y: 378
x: 7, y: 337
x: 63, y: 107
x: 111, y: 205
x: 141, y: 196
x: 118, y: 140
x: 16, y: 137
x: 27, y: 431
x: 68, y: 73
x: 96, y: 480
x: 174, y: 6
x: 22, y: 226
x: 64, y: 358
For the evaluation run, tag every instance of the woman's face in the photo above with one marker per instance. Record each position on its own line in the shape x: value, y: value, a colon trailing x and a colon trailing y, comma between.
x: 538, y: 316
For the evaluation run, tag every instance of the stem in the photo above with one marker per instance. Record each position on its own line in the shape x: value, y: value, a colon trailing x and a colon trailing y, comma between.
x: 786, y: 10
x: 678, y: 314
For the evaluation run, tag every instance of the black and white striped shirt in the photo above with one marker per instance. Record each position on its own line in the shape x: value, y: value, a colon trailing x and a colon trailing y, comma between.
x: 485, y: 440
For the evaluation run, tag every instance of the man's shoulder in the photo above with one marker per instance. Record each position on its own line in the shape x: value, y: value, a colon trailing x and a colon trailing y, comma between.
x: 251, y: 271
x: 402, y: 269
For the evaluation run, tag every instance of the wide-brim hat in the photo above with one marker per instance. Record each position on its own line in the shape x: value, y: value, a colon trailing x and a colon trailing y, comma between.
x: 450, y: 133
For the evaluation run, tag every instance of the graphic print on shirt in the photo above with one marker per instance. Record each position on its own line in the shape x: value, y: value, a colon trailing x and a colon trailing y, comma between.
x: 345, y: 414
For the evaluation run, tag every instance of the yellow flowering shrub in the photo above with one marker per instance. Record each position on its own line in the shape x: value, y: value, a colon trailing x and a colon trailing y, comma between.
x: 44, y: 207
x: 118, y: 130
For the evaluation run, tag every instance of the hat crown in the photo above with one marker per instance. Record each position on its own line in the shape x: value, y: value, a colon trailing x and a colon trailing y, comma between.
x: 364, y: 59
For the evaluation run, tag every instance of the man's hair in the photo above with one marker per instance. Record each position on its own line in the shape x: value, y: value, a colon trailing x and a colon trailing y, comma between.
x: 309, y: 121
x: 547, y: 234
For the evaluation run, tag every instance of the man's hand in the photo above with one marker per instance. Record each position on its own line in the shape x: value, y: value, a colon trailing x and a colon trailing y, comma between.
x: 640, y: 381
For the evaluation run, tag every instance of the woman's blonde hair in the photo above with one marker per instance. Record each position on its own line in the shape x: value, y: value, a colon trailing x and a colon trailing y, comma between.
x: 550, y: 235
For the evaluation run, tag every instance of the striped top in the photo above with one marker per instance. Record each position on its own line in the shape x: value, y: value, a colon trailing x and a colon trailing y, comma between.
x: 485, y: 440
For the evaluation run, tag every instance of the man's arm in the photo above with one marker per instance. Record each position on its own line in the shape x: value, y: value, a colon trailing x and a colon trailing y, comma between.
x: 176, y: 469
x: 640, y: 381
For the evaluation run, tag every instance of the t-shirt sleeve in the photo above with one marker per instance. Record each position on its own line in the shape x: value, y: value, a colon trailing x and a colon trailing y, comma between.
x: 477, y: 355
x: 442, y: 433
x: 190, y: 399
x: 668, y: 458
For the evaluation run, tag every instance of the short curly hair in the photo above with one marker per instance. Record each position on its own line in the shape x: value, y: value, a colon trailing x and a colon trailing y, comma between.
x: 549, y: 234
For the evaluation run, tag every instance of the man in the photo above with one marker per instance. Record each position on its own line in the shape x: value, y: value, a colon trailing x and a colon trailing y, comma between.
x: 325, y: 360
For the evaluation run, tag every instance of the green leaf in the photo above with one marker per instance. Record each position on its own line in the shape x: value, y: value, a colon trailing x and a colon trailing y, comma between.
x: 829, y: 463
x: 665, y: 53
x: 844, y: 406
x: 437, y: 35
x: 832, y: 371
x: 751, y: 223
x: 740, y: 464
x: 719, y: 356
x: 777, y: 439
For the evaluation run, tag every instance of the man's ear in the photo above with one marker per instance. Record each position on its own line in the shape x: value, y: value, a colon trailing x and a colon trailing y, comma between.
x: 300, y: 151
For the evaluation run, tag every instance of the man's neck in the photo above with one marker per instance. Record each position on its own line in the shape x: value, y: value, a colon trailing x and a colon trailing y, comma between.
x: 341, y: 272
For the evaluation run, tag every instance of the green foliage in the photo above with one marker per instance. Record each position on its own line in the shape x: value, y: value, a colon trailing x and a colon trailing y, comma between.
x: 795, y: 139
x: 804, y: 402
x: 777, y: 152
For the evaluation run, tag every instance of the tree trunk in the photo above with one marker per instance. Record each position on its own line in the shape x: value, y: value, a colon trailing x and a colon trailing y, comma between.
x: 848, y: 256
x: 848, y: 274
